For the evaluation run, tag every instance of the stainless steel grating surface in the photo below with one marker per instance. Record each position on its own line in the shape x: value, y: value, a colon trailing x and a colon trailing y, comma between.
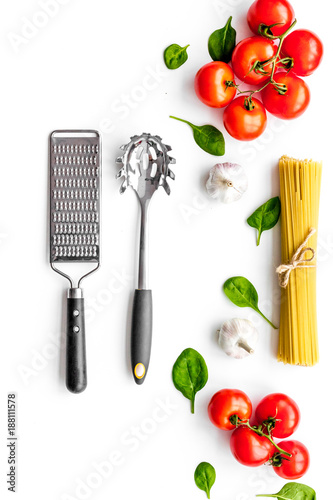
x: 74, y: 198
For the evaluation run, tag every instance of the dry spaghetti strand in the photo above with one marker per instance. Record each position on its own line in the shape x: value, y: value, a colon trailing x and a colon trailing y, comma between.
x: 300, y: 192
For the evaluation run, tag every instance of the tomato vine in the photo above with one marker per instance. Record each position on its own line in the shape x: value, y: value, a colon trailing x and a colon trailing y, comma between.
x: 259, y: 429
x: 259, y: 66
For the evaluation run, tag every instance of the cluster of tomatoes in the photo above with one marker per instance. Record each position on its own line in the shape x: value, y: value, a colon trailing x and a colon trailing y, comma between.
x: 274, y: 60
x: 276, y: 417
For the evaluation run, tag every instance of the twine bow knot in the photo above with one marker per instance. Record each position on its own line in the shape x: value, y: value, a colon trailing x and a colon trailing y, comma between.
x: 296, y: 261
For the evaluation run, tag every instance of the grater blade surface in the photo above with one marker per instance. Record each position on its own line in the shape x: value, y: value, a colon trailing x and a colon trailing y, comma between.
x: 75, y: 196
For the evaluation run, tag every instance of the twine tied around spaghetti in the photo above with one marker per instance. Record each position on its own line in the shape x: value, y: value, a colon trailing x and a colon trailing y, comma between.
x: 297, y: 261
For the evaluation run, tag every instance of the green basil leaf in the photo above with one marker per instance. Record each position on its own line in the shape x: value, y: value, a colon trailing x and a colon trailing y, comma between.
x: 204, y: 477
x: 208, y: 138
x: 190, y: 374
x: 222, y: 42
x: 266, y: 216
x: 175, y: 56
x: 243, y: 294
x: 294, y: 491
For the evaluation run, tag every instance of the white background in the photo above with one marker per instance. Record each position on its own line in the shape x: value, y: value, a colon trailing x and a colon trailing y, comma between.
x: 99, y: 65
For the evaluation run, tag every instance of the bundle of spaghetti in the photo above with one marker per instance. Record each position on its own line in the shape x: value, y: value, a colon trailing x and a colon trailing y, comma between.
x: 300, y: 191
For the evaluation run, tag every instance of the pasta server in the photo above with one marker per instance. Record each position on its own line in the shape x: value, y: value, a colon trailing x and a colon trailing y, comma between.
x: 75, y: 164
x: 145, y: 167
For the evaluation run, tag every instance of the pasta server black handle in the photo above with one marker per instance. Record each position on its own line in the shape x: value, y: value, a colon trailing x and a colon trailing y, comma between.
x: 76, y: 366
x: 142, y: 326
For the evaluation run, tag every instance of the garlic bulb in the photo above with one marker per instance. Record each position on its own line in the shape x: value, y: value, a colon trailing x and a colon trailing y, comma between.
x: 238, y: 338
x: 227, y: 182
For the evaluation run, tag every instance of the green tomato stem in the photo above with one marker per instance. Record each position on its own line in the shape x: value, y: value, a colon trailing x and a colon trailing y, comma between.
x: 246, y: 423
x: 269, y: 61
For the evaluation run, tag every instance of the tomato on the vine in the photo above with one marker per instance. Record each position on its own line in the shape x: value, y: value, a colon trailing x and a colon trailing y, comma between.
x: 291, y: 104
x: 249, y: 448
x: 226, y: 403
x: 255, y: 49
x: 211, y: 84
x: 269, y: 12
x: 295, y: 466
x: 243, y: 123
x: 305, y: 48
x: 283, y: 410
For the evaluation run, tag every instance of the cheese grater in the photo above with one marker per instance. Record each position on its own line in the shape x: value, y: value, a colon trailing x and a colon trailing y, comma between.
x: 75, y: 173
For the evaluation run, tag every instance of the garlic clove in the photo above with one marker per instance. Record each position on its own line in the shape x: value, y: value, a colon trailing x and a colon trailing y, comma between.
x: 238, y: 338
x: 227, y: 182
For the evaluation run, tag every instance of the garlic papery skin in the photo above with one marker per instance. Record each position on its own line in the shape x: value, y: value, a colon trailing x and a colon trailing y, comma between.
x: 227, y: 182
x: 238, y: 338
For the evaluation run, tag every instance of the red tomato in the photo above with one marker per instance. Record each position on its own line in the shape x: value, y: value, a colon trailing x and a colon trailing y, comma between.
x: 243, y: 124
x: 270, y: 12
x: 247, y: 52
x: 290, y: 105
x: 210, y: 84
x: 297, y: 465
x: 283, y: 409
x: 249, y: 448
x: 305, y: 48
x: 226, y: 403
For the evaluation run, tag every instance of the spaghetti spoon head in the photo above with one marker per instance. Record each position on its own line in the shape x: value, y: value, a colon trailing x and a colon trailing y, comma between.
x: 145, y: 166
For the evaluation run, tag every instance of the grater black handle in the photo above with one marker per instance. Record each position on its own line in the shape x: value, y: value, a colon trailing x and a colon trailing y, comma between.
x: 76, y: 367
x: 142, y: 326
